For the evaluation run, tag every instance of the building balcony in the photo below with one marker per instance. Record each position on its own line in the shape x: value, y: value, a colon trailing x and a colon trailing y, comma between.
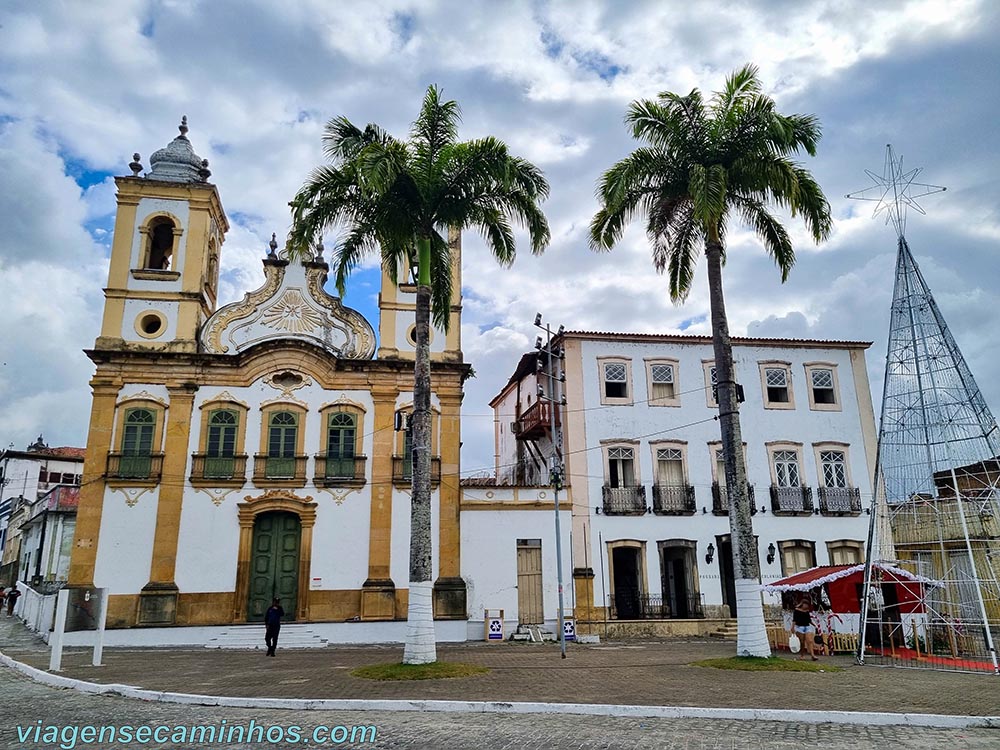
x: 402, y: 471
x: 624, y: 501
x: 633, y: 605
x: 535, y: 421
x: 840, y: 501
x: 223, y: 470
x: 720, y: 500
x: 288, y: 471
x: 337, y: 471
x: 791, y: 501
x: 673, y: 500
x: 135, y: 468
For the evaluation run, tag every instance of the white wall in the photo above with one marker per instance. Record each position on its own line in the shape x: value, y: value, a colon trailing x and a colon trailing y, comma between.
x: 125, y: 544
x: 489, y: 560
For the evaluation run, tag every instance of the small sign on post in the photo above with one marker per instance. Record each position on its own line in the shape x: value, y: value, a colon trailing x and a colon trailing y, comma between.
x: 493, y: 625
x: 569, y: 628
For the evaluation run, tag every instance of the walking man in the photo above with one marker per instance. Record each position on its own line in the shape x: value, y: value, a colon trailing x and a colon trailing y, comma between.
x: 272, y: 624
x: 12, y: 599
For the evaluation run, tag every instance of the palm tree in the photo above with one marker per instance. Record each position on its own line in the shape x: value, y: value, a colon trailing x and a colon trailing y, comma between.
x: 395, y: 197
x: 705, y: 163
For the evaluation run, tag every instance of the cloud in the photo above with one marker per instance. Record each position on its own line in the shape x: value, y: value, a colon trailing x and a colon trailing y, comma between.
x: 84, y: 88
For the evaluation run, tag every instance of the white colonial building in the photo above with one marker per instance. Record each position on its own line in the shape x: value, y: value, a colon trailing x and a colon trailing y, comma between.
x: 26, y: 477
x: 643, y: 464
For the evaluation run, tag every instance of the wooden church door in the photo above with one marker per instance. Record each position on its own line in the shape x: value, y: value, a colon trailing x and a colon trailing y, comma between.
x: 274, y: 565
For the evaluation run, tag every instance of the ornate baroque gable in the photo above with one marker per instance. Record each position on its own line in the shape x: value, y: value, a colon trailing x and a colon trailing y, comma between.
x: 291, y: 305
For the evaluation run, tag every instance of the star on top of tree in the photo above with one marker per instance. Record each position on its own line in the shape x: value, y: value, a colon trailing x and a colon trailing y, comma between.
x: 895, y: 190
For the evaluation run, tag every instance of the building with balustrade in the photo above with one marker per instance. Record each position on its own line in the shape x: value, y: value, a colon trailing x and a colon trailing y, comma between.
x: 643, y: 464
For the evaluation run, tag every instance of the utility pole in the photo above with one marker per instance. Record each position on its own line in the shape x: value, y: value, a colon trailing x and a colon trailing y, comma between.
x: 553, y: 371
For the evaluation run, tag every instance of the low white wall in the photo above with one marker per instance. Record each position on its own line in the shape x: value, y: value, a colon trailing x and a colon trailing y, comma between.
x: 37, y: 610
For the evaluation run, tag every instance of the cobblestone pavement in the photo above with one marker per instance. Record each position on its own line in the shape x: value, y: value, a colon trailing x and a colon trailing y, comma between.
x: 26, y: 702
x: 618, y: 673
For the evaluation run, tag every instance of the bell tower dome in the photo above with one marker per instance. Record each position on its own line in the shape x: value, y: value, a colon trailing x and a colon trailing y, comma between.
x: 164, y: 275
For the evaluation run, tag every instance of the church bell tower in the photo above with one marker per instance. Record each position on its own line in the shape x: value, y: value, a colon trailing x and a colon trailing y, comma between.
x: 397, y: 310
x: 164, y: 275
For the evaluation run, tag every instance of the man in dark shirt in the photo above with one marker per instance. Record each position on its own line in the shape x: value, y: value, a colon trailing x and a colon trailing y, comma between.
x: 12, y: 596
x: 272, y: 624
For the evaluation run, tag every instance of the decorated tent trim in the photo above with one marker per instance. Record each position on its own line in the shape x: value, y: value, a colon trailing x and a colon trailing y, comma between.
x: 810, y: 579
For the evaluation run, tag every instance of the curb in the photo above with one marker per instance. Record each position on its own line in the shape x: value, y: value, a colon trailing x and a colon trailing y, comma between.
x: 940, y: 721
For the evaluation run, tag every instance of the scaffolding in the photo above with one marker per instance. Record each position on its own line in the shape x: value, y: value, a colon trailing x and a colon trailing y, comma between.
x: 937, y: 485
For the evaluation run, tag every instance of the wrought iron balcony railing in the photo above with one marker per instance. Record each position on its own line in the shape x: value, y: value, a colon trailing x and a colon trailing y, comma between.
x: 624, y: 501
x: 338, y: 470
x: 792, y: 501
x: 634, y: 605
x: 840, y: 501
x: 402, y: 471
x: 128, y: 466
x: 286, y: 469
x: 673, y: 499
x: 720, y: 499
x: 205, y: 468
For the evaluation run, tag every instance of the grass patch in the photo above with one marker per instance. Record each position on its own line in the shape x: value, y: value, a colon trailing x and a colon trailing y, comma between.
x: 771, y: 664
x: 439, y: 670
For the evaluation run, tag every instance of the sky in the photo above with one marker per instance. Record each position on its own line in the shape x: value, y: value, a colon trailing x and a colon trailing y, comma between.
x: 84, y: 85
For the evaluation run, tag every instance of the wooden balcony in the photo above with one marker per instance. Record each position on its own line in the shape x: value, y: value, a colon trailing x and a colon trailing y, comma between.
x: 142, y: 469
x: 335, y: 471
x: 720, y: 500
x: 218, y: 470
x: 791, y: 501
x: 402, y: 471
x: 624, y: 501
x: 282, y: 471
x: 673, y: 500
x: 535, y: 421
x: 840, y: 501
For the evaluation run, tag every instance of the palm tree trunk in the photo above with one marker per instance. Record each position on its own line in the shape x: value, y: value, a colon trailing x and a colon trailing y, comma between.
x: 751, y: 633
x: 420, y: 642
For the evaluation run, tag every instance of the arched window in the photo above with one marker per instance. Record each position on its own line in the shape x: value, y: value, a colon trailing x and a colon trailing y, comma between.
x: 137, y: 444
x: 220, y: 448
x: 282, y: 436
x: 161, y: 245
x: 341, y: 434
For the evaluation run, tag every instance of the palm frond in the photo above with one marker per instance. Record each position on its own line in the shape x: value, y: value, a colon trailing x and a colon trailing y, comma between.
x: 684, y: 252
x: 441, y: 289
x: 771, y: 232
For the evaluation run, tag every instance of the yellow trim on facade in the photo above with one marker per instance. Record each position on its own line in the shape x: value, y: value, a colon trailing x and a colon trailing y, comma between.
x: 171, y: 495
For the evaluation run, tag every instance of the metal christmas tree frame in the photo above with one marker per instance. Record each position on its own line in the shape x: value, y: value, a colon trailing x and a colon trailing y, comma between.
x: 936, y: 511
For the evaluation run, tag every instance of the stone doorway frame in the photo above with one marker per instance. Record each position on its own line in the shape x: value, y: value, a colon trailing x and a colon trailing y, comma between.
x: 248, y: 510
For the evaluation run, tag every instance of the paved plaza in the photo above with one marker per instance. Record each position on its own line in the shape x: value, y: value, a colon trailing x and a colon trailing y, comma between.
x: 622, y: 673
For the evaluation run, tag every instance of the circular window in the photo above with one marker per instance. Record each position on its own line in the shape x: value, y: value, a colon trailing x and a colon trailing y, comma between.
x: 411, y: 335
x: 151, y: 324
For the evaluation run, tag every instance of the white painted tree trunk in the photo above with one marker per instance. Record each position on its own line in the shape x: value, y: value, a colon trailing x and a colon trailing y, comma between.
x: 751, y: 639
x: 751, y: 636
x: 420, y: 642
